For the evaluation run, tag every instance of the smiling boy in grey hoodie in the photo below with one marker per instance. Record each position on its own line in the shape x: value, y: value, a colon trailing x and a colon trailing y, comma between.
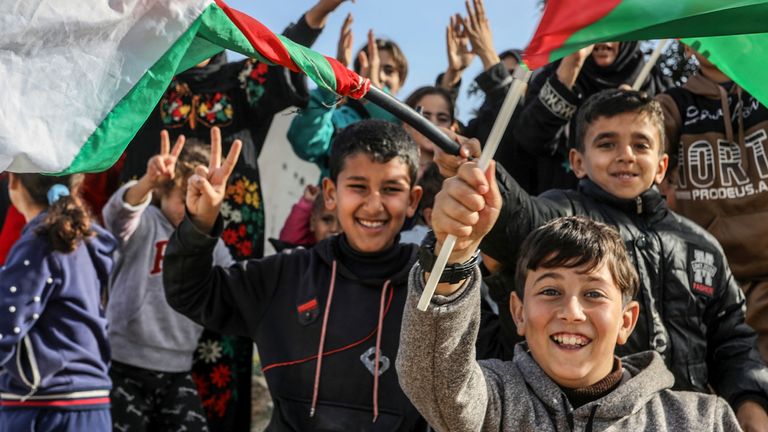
x: 572, y: 303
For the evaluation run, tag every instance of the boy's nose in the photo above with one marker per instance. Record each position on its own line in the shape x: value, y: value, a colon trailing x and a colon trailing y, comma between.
x: 572, y: 310
x: 626, y: 153
x: 373, y: 202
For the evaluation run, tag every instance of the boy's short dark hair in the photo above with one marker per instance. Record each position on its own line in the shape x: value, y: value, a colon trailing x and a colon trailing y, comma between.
x: 397, y: 56
x: 612, y: 102
x: 381, y: 140
x: 576, y: 241
x: 195, y: 152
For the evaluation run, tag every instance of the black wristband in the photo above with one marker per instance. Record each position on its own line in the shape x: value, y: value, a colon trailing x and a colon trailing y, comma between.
x: 453, y: 273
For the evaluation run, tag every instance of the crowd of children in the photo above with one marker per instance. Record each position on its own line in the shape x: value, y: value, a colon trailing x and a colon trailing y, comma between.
x: 619, y: 230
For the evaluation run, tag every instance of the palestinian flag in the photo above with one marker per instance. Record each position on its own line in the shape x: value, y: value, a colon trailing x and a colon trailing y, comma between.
x: 81, y: 77
x: 568, y: 25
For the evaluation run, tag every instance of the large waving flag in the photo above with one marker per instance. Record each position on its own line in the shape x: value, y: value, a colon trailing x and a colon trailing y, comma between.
x: 718, y: 29
x: 568, y: 25
x: 80, y: 77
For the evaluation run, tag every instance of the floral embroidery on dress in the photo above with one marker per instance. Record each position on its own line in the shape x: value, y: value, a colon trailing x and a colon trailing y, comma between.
x: 209, y: 351
x: 243, y: 217
x: 179, y: 107
x: 252, y: 79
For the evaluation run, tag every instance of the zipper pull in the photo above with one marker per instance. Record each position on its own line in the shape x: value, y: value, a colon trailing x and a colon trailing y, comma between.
x: 639, y: 203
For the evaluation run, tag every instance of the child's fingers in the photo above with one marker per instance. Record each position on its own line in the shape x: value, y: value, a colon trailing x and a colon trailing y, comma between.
x: 480, y: 8
x: 363, y: 59
x: 464, y: 194
x: 231, y: 161
x: 493, y: 197
x: 165, y: 142
x: 215, y: 161
x: 471, y: 17
x: 373, y: 50
x: 176, y: 151
x: 474, y: 177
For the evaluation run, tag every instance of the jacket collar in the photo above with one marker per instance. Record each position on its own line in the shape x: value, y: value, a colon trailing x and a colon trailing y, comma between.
x: 648, y: 205
x: 645, y: 376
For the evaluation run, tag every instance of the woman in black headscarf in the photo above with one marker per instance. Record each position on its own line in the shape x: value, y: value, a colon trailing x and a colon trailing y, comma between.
x: 554, y: 97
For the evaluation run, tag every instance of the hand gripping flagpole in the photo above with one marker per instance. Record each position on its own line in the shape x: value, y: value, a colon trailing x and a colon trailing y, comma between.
x: 521, y: 76
x: 649, y: 64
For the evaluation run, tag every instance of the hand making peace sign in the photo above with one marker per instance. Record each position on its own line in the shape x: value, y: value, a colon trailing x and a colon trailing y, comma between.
x: 208, y: 186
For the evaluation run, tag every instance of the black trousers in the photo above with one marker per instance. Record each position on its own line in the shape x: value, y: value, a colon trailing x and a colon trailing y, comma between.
x: 145, y: 400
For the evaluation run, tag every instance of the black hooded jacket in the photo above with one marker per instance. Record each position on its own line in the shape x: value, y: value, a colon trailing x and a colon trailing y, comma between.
x: 280, y: 301
x: 691, y: 307
x: 547, y: 120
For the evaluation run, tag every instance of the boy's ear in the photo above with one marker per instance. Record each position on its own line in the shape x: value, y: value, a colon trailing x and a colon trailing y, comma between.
x: 516, y: 308
x: 628, y: 320
x: 329, y: 194
x: 577, y: 163
x: 662, y: 168
x: 13, y: 181
x: 413, y: 200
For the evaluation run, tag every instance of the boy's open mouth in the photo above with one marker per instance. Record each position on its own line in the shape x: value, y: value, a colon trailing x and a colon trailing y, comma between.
x: 623, y: 175
x: 570, y: 340
x: 370, y: 223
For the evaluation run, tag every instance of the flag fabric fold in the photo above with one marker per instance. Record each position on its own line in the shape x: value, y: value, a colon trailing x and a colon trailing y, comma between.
x: 81, y: 77
x: 568, y: 25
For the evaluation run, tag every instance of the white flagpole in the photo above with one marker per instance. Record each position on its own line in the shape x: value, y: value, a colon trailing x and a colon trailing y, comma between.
x: 649, y: 64
x: 521, y: 76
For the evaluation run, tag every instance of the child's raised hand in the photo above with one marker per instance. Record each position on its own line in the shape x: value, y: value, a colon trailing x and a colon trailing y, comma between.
x: 460, y: 56
x: 571, y: 65
x: 467, y: 207
x: 310, y: 193
x: 478, y: 30
x: 162, y: 166
x: 370, y: 64
x: 208, y: 186
x: 344, y: 49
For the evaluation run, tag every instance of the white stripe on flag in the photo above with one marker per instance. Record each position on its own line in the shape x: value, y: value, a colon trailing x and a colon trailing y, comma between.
x: 65, y: 64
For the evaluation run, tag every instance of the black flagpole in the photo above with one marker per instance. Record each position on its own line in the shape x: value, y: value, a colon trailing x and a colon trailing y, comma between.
x: 414, y: 119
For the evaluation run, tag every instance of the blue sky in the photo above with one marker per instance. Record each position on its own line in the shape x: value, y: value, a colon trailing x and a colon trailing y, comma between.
x: 418, y: 26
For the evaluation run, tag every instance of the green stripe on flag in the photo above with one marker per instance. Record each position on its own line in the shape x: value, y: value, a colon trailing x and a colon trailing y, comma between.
x: 211, y: 32
x: 658, y: 19
x: 743, y: 58
x: 107, y: 143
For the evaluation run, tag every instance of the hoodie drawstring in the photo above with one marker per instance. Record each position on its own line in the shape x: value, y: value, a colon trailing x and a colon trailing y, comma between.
x: 590, y: 423
x: 378, y: 351
x: 316, y: 388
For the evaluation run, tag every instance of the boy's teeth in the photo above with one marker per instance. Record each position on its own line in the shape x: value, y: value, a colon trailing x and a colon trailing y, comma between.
x: 371, y: 224
x: 571, y: 340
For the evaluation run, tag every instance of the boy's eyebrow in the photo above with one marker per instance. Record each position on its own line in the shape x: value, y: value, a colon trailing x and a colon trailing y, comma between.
x: 611, y: 134
x: 601, y: 135
x: 551, y: 274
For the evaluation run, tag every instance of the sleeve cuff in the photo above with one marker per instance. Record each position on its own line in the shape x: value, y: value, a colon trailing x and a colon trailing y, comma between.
x: 494, y: 79
x: 134, y: 208
x: 195, y: 239
x: 439, y: 301
x: 556, y: 97
x: 754, y: 397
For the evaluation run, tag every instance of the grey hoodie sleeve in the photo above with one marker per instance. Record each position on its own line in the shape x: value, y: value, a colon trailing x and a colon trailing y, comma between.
x: 436, y: 361
x: 121, y: 218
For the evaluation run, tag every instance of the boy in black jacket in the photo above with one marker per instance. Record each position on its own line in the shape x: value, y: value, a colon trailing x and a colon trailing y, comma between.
x: 692, y: 310
x: 326, y: 319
